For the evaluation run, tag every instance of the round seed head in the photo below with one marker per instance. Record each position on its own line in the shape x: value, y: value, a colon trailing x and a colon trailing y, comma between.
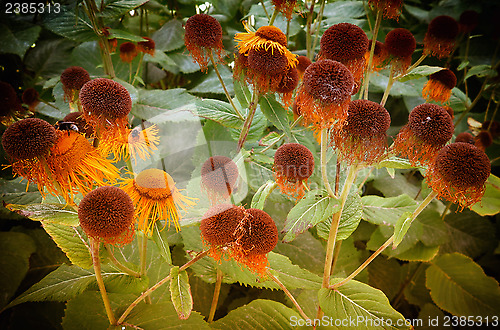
x: 128, y: 51
x: 431, y: 123
x: 267, y: 62
x: 465, y: 138
x: 203, y: 30
x: 77, y: 118
x: 366, y: 118
x: 328, y: 81
x: 492, y: 127
x: 106, y: 212
x: 272, y: 33
x: 147, y: 46
x: 219, y: 174
x: 74, y: 77
x: 462, y: 165
x: 219, y: 224
x: 446, y: 77
x: 29, y: 138
x: 484, y: 140
x: 8, y: 99
x: 468, y: 20
x: 105, y: 97
x: 260, y: 233
x: 294, y: 161
x: 304, y: 62
x: 443, y: 27
x: 400, y: 43
x: 343, y: 41
x: 30, y: 96
x: 289, y: 81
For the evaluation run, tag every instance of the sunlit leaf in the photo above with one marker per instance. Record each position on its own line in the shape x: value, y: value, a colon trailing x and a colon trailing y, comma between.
x: 259, y: 199
x: 218, y: 111
x: 180, y: 291
x: 349, y: 220
x: 55, y: 213
x: 386, y: 211
x: 275, y: 113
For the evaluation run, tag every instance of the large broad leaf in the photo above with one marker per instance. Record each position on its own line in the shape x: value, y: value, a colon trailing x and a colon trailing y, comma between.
x: 356, y: 305
x: 347, y: 9
x: 67, y: 24
x: 421, y: 71
x: 15, y: 252
x: 218, y: 111
x: 349, y: 220
x: 210, y: 83
x: 385, y: 274
x: 259, y: 199
x: 49, y: 57
x: 489, y: 204
x: 459, y: 286
x: 275, y: 113
x: 18, y: 39
x: 116, y: 8
x: 55, y: 213
x: 170, y: 36
x: 180, y: 291
x: 259, y: 314
x: 386, y: 211
x: 243, y: 94
x: 315, y: 207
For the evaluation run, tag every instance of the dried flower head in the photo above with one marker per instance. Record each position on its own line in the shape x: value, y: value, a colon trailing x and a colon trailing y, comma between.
x: 380, y: 55
x: 218, y: 226
x: 348, y: 44
x: 287, y: 85
x: 429, y: 128
x: 465, y: 138
x: 31, y: 98
x: 468, y: 21
x: 79, y: 121
x: 9, y: 104
x: 128, y: 51
x: 390, y: 8
x: 438, y: 87
x: 325, y: 93
x: 285, y: 7
x: 483, y: 140
x: 303, y: 63
x: 440, y: 37
x: 400, y: 44
x: 293, y: 165
x: 73, y: 79
x: 112, y: 42
x: 363, y: 137
x: 264, y: 66
x: 147, y: 46
x: 203, y: 36
x: 107, y: 214
x: 458, y: 173
x: 219, y: 175
x: 156, y: 198
x: 491, y: 126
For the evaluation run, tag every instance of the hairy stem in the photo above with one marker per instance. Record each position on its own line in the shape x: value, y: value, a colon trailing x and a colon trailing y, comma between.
x: 366, y: 81
x: 215, y: 299
x: 389, y: 86
x: 100, y: 283
x: 248, y: 121
x: 295, y: 303
x: 118, y: 264
x: 271, y: 20
x: 324, y: 146
x: 310, y: 51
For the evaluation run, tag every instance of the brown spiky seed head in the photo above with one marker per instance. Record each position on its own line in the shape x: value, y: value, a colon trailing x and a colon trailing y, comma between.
x: 366, y: 118
x: 294, y: 161
x: 105, y: 97
x: 484, y: 139
x: 219, y: 173
x: 74, y: 77
x: 462, y: 165
x: 106, y: 212
x: 400, y: 43
x: 431, y: 123
x: 77, y: 118
x: 328, y: 81
x: 343, y: 41
x: 272, y: 33
x: 218, y: 224
x: 303, y: 63
x: 203, y: 30
x: 30, y: 96
x: 146, y: 46
x: 465, y: 137
x: 289, y: 81
x: 443, y: 27
x: 128, y: 48
x: 267, y: 61
x: 28, y: 138
x: 261, y: 234
x: 446, y: 77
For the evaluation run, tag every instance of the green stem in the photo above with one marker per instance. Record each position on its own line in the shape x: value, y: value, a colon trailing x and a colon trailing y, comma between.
x: 157, y: 285
x: 283, y: 134
x: 317, y: 26
x: 215, y: 299
x: 336, y: 253
x: 366, y: 81
x: 474, y: 102
x: 289, y: 295
x: 332, y: 237
x: 413, y: 66
x: 138, y: 68
x: 265, y: 10
x: 229, y: 98
x: 248, y: 121
x: 467, y: 45
x: 415, y: 214
x: 100, y: 283
x: 324, y: 147
x: 143, y: 252
x: 389, y: 86
x: 118, y: 264
x: 275, y: 13
x: 310, y: 51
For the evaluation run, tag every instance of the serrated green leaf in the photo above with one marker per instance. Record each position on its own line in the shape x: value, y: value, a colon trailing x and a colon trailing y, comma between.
x: 49, y: 58
x: 242, y: 93
x: 349, y: 220
x: 180, y: 291
x: 259, y: 199
x: 379, y: 82
x: 421, y: 71
x: 275, y: 113
x: 358, y: 301
x: 218, y: 111
x: 459, y: 286
x: 160, y: 239
x: 315, y: 207
x: 124, y: 35
x: 482, y: 70
x: 116, y: 8
x: 183, y: 63
x: 385, y: 275
x: 210, y: 83
x: 170, y: 36
x: 259, y: 314
x: 395, y: 162
x: 271, y: 138
x: 56, y: 213
x: 18, y: 39
x: 489, y: 204
x: 344, y: 9
x: 67, y: 24
x: 386, y: 211
x: 160, y: 106
x: 402, y: 225
x: 419, y: 252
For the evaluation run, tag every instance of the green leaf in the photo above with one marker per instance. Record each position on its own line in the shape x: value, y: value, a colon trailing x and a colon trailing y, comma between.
x: 386, y: 211
x: 49, y: 58
x: 124, y: 35
x: 462, y: 65
x: 385, y: 275
x: 459, y: 286
x: 395, y: 162
x: 242, y: 93
x: 480, y: 71
x: 489, y: 204
x: 349, y: 220
x: 160, y: 106
x: 116, y: 8
x: 19, y: 39
x: 402, y: 225
x: 259, y: 199
x: 15, y: 253
x: 67, y: 24
x: 275, y: 113
x: 316, y: 206
x: 379, y: 82
x: 421, y: 71
x: 343, y: 9
x: 259, y: 314
x: 55, y: 213
x: 458, y: 100
x: 160, y: 239
x: 183, y: 63
x: 359, y: 302
x: 180, y: 291
x: 218, y: 111
x: 163, y: 316
x: 170, y: 36
x: 210, y: 83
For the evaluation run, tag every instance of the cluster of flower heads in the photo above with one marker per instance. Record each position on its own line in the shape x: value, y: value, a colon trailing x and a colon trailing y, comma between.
x: 129, y: 50
x: 11, y: 108
x: 245, y: 235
